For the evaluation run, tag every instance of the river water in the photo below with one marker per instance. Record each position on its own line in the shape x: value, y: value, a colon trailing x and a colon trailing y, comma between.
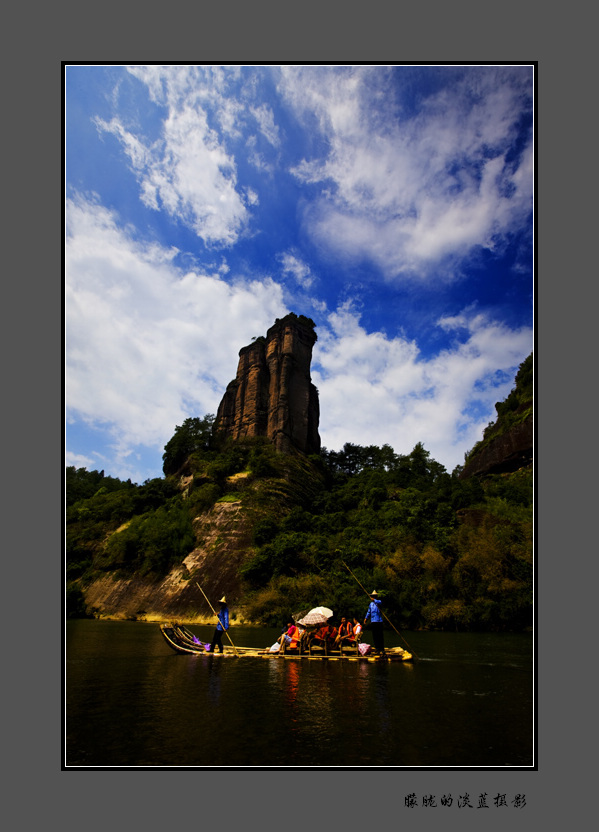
x: 130, y: 701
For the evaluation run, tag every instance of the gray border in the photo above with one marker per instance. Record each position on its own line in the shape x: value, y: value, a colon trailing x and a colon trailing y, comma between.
x: 312, y: 31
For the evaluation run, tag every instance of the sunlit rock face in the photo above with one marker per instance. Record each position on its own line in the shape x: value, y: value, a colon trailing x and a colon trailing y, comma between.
x: 272, y: 394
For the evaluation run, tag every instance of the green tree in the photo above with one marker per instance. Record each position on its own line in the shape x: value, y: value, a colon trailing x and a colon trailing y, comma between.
x: 194, y: 435
x: 81, y: 484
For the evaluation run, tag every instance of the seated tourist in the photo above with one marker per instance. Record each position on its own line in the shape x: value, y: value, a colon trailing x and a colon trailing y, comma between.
x: 357, y: 632
x: 324, y: 636
x: 291, y: 636
x: 286, y: 633
x: 345, y: 633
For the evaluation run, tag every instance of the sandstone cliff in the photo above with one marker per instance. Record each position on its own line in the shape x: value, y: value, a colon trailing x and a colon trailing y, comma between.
x: 223, y: 536
x: 272, y: 394
x: 504, y: 453
x: 507, y: 444
x: 224, y: 539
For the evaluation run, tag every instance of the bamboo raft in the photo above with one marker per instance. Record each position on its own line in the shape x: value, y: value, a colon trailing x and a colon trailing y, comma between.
x: 181, y: 640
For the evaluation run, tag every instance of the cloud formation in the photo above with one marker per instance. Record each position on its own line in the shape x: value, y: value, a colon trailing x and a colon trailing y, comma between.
x: 187, y: 171
x: 417, y: 190
x: 381, y: 390
x: 292, y: 265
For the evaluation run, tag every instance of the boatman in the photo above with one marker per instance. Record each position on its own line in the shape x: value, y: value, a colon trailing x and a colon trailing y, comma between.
x: 223, y: 624
x: 375, y: 616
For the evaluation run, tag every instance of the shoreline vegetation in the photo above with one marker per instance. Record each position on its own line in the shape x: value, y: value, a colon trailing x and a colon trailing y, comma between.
x: 156, y: 618
x: 206, y: 621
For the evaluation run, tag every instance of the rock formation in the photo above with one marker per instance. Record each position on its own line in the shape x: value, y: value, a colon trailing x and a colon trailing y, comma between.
x: 272, y: 394
x: 224, y: 534
x: 508, y: 452
x: 507, y: 443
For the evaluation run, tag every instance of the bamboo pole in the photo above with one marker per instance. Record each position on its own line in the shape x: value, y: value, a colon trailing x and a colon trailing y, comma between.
x: 386, y: 618
x: 216, y: 614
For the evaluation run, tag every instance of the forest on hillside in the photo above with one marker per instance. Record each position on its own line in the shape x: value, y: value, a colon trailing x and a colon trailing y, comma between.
x: 442, y: 551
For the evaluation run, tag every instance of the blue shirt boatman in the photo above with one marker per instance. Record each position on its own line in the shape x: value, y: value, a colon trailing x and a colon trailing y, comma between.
x: 375, y: 616
x: 223, y: 624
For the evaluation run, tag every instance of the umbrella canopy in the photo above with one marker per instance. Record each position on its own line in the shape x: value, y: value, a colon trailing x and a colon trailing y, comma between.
x: 323, y: 611
x: 318, y: 615
x: 311, y: 619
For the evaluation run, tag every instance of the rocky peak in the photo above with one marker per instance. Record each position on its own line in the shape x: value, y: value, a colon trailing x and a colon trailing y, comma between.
x: 272, y: 394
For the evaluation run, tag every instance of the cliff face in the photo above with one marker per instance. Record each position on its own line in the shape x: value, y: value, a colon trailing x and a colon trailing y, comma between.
x: 504, y: 453
x: 508, y: 443
x: 272, y: 394
x: 224, y: 537
x: 224, y: 534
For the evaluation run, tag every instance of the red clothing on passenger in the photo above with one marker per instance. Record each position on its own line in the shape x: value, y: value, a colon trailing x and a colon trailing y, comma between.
x: 325, y: 633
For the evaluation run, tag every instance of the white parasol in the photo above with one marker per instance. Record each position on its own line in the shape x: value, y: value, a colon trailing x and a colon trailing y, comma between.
x: 318, y: 615
x: 323, y: 611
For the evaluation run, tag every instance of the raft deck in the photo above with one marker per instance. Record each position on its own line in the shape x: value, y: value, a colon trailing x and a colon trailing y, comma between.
x: 183, y: 641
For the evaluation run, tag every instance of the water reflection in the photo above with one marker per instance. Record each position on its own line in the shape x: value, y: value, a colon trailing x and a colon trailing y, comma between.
x: 214, y: 679
x: 381, y: 694
x: 292, y: 682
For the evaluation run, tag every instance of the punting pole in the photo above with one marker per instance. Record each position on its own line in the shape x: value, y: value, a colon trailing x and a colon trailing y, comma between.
x: 367, y: 593
x: 216, y: 614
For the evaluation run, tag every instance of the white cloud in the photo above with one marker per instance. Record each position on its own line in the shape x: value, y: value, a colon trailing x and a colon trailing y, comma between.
x: 376, y: 390
x: 188, y: 174
x: 147, y: 346
x: 79, y: 460
x: 256, y: 159
x: 252, y: 197
x: 187, y: 171
x: 293, y: 265
x: 266, y: 122
x: 412, y: 192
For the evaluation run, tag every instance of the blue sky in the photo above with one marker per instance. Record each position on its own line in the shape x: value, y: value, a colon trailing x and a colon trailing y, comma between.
x: 391, y: 204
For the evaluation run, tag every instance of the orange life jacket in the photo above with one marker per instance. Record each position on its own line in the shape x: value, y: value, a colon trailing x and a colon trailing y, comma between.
x: 345, y: 630
x: 295, y: 636
x: 324, y: 633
